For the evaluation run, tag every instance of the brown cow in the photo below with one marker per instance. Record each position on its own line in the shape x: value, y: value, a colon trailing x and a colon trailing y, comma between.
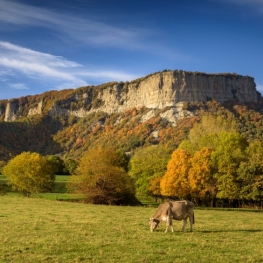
x: 178, y: 210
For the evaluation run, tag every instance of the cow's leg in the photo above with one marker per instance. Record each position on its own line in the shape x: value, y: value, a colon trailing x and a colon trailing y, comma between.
x: 191, y: 219
x: 172, y: 225
x: 184, y: 224
x: 169, y: 222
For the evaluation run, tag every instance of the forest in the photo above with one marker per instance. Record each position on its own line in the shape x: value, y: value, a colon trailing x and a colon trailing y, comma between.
x: 213, y: 157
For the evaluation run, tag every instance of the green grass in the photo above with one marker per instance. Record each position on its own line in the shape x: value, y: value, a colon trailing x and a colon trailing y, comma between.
x: 2, y: 178
x: 39, y: 230
x: 63, y: 178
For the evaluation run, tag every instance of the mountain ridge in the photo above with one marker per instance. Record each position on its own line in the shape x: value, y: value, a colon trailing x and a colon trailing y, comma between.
x: 155, y: 91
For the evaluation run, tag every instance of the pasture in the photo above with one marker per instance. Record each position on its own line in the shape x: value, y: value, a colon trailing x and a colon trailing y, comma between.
x: 39, y: 230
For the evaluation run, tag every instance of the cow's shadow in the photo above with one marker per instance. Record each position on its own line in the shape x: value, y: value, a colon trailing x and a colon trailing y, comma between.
x: 213, y: 231
x: 228, y: 231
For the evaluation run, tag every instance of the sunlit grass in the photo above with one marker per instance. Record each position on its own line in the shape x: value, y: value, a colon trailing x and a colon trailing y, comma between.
x: 39, y: 230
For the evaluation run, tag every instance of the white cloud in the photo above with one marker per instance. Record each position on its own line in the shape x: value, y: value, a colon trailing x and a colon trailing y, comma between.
x: 18, y: 86
x: 33, y: 63
x: 61, y: 72
x: 80, y: 29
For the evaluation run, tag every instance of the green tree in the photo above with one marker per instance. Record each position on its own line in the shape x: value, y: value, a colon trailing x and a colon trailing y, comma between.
x: 102, y: 178
x: 30, y: 173
x: 250, y: 173
x: 58, y: 164
x: 203, y: 133
x: 71, y: 165
x: 147, y: 164
x: 227, y: 156
x: 2, y: 165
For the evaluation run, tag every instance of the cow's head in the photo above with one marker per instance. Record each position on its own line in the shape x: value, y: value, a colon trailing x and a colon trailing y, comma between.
x: 153, y: 224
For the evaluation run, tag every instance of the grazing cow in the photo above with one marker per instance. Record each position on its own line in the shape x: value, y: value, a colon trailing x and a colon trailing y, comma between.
x: 178, y: 210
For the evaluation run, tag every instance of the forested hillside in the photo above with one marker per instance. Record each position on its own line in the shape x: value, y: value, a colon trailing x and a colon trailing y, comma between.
x: 213, y: 156
x: 70, y: 136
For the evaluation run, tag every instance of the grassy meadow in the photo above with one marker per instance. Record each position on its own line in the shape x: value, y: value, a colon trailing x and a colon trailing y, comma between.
x: 40, y: 230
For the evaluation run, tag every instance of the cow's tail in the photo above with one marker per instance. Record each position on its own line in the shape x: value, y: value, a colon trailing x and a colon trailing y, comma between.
x: 193, y: 217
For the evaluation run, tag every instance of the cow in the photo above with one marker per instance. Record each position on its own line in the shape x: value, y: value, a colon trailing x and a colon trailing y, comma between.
x: 177, y: 210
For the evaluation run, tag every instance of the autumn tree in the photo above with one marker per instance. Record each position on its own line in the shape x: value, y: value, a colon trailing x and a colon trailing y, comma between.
x: 201, y: 179
x: 147, y: 164
x: 155, y: 188
x: 175, y: 182
x: 102, y: 177
x: 30, y: 173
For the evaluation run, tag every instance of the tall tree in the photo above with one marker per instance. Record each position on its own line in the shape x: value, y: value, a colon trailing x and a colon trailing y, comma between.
x: 175, y: 182
x: 250, y: 173
x: 147, y: 164
x: 203, y: 133
x: 202, y: 182
x: 227, y: 156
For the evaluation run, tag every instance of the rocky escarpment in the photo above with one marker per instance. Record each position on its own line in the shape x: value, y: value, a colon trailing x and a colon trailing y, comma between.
x: 156, y: 91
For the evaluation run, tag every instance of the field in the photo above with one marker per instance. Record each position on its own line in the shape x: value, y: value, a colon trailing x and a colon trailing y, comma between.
x: 39, y: 230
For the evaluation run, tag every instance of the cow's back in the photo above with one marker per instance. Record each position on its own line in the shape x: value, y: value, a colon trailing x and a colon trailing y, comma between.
x: 162, y: 210
x: 182, y: 209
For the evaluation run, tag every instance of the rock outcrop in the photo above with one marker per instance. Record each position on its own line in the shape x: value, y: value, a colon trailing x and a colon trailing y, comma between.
x: 156, y: 91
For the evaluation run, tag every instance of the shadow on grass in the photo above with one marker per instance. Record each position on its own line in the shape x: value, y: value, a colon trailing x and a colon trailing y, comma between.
x: 229, y: 230
x: 211, y: 231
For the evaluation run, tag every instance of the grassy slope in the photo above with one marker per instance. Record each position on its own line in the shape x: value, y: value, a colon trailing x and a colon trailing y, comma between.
x: 37, y: 230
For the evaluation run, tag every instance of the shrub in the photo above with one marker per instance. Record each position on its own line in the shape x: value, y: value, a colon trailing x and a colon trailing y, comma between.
x: 30, y: 173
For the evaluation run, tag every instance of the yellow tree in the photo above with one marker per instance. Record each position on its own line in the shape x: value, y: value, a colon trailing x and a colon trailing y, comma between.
x: 175, y: 182
x: 30, y: 173
x: 201, y: 180
x: 155, y: 187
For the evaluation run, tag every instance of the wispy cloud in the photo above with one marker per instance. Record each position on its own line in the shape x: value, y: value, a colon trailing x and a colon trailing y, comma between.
x: 18, y: 86
x: 86, y: 30
x: 41, y: 66
x: 32, y: 63
x: 256, y: 5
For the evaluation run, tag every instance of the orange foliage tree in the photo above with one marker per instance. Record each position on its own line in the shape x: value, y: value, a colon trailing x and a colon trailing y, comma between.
x: 175, y: 181
x: 201, y: 180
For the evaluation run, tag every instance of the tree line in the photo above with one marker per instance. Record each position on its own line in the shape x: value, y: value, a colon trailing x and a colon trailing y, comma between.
x: 215, y: 166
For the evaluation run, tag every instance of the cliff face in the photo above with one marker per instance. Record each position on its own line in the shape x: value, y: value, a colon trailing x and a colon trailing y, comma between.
x: 156, y: 91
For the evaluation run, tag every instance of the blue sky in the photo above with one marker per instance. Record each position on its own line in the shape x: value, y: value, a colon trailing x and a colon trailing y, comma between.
x: 59, y: 44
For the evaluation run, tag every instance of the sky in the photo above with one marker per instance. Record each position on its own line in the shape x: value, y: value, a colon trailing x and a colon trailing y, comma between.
x: 61, y: 44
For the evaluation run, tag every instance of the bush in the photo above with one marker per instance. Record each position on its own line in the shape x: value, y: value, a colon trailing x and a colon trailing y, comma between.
x: 102, y: 177
x: 30, y: 173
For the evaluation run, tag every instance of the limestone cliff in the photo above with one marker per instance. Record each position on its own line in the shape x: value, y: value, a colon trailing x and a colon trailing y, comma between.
x: 156, y: 91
